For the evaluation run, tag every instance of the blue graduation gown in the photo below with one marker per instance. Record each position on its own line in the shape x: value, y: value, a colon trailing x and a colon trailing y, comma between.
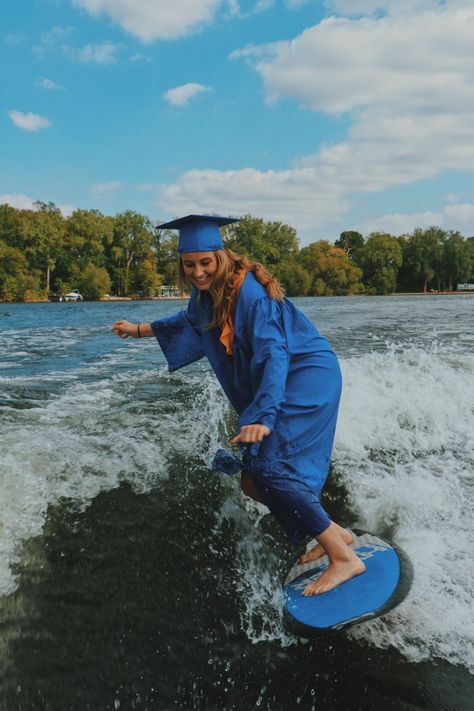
x: 282, y: 374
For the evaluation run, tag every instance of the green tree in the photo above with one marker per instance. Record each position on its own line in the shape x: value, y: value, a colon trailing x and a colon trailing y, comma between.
x: 147, y: 278
x: 470, y: 257
x: 132, y: 242
x: 380, y: 258
x: 95, y: 282
x: 456, y: 260
x: 293, y: 277
x: 16, y: 278
x: 270, y: 243
x: 43, y: 236
x: 88, y: 235
x: 423, y: 255
x: 166, y: 250
x: 11, y: 226
x: 350, y: 241
x: 331, y: 270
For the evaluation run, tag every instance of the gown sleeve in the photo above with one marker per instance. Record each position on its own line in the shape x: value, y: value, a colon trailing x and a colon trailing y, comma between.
x: 179, y: 339
x: 268, y: 364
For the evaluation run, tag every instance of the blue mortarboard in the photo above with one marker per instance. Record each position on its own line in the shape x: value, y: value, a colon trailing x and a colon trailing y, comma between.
x: 199, y: 233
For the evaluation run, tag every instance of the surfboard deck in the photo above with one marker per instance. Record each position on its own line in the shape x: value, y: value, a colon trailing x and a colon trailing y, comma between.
x: 383, y: 586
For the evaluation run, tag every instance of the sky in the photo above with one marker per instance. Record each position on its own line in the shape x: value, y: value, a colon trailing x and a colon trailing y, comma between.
x: 327, y: 115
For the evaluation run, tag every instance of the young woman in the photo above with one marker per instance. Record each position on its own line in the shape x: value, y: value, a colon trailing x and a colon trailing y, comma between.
x: 279, y: 374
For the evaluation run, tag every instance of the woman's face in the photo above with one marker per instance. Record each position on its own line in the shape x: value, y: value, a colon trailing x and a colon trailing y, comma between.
x: 199, y: 268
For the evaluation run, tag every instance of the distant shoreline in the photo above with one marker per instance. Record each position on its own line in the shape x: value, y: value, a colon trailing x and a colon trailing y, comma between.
x: 151, y: 298
x: 111, y: 299
x: 425, y: 293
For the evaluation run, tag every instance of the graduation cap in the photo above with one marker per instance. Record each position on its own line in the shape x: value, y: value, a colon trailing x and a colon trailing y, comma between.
x: 199, y: 233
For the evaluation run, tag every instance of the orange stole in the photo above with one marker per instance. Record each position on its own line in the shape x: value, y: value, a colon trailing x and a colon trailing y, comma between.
x: 227, y: 333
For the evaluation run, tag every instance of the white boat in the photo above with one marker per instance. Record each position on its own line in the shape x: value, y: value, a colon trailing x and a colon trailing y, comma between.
x: 73, y: 295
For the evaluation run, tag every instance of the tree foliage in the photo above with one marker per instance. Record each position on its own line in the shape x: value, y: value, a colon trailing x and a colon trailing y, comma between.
x: 330, y: 270
x: 423, y: 254
x: 270, y: 243
x: 131, y: 243
x: 126, y: 255
x: 380, y: 259
x: 350, y: 241
x: 294, y: 278
x: 94, y: 282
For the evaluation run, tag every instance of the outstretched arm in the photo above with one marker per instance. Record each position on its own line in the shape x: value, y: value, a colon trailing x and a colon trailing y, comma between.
x: 180, y: 342
x: 125, y: 329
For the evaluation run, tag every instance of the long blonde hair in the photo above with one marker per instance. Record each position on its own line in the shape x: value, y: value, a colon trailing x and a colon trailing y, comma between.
x: 224, y: 295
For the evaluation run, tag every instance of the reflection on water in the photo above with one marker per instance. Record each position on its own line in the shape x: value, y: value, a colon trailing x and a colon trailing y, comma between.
x: 134, y: 578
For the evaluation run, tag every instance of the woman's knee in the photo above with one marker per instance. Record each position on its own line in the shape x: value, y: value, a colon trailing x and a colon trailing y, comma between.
x: 248, y: 487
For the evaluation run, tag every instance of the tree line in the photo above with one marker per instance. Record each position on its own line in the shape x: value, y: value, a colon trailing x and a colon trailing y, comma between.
x: 42, y: 252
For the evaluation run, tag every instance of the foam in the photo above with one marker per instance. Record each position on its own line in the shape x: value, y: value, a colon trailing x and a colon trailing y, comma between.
x: 86, y: 440
x: 404, y: 449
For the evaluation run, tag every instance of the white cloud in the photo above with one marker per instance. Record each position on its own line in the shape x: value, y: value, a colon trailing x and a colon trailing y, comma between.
x: 182, y: 95
x: 407, y: 88
x: 22, y: 202
x: 57, y: 39
x: 296, y: 4
x: 262, y: 5
x: 25, y: 202
x: 391, y: 7
x: 450, y: 217
x: 341, y: 65
x: 102, y: 53
x: 50, y: 40
x: 234, y: 8
x: 49, y: 84
x: 398, y: 223
x: 55, y: 34
x: 107, y: 190
x: 155, y: 19
x: 461, y: 213
x: 29, y: 121
x: 161, y: 19
x: 139, y: 57
x: 302, y: 196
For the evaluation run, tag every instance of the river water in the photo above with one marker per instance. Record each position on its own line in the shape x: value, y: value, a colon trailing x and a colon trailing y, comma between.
x: 132, y: 577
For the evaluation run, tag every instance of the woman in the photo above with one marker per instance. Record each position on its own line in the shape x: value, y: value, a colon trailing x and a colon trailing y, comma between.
x: 280, y: 375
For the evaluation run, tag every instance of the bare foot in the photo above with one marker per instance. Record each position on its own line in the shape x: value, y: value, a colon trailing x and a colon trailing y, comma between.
x: 318, y: 551
x: 334, y: 575
x: 313, y: 554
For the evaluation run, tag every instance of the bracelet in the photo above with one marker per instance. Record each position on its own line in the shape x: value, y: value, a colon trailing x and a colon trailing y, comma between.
x: 139, y: 335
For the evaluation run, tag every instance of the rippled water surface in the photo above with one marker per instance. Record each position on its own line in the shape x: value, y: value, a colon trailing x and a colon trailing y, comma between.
x: 132, y: 577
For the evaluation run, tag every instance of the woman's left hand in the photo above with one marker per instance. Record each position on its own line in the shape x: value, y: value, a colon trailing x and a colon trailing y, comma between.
x: 251, y: 433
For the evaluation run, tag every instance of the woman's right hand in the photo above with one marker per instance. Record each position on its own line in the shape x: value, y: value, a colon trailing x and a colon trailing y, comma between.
x: 124, y: 329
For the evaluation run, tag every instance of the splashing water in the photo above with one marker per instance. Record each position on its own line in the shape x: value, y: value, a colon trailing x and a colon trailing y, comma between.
x: 404, y: 450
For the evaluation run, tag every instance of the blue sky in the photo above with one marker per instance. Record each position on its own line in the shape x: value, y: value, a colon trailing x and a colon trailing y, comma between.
x: 344, y: 114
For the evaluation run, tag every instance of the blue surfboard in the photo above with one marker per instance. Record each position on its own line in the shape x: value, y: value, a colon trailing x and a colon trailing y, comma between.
x: 383, y: 585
